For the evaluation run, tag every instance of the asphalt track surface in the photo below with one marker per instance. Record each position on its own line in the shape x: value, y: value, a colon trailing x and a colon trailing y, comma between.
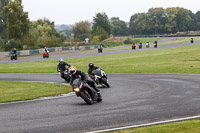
x: 132, y: 99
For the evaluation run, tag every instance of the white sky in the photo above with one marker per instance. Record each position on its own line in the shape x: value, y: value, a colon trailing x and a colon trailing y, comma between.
x: 72, y: 11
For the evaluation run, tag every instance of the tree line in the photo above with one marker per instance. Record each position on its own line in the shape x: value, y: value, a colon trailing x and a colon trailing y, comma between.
x: 155, y: 21
x: 16, y: 30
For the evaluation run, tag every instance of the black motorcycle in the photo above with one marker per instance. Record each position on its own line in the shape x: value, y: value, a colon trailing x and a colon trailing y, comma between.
x: 83, y: 90
x: 65, y: 75
x: 100, y: 77
x: 191, y: 40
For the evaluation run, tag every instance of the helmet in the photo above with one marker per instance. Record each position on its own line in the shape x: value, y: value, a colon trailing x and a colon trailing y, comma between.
x: 61, y: 60
x: 91, y: 65
x: 72, y: 70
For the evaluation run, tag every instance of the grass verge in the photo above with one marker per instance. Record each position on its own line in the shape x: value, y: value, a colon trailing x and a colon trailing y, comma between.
x: 191, y: 126
x: 19, y: 91
x: 171, y: 60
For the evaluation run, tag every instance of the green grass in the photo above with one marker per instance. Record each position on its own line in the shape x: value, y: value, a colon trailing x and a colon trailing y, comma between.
x: 173, y: 60
x: 19, y: 91
x: 191, y: 126
x: 181, y: 40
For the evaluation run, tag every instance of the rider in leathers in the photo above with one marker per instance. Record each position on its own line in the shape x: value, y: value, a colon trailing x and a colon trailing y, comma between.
x: 61, y: 67
x: 79, y: 74
x: 92, y: 68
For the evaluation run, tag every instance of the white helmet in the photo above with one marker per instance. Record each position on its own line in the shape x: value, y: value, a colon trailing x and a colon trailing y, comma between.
x: 61, y: 60
x: 72, y: 70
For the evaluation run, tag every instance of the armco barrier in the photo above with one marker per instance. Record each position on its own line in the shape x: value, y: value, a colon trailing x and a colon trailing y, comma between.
x: 34, y: 51
x: 40, y: 51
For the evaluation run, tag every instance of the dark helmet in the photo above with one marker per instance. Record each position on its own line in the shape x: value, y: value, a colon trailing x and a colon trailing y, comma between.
x: 91, y: 65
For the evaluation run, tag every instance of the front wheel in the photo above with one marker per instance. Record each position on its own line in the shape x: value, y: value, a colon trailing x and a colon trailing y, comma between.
x: 105, y: 82
x: 86, y: 97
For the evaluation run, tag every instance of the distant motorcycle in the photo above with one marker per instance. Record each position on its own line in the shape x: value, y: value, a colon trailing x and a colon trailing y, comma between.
x: 13, y: 56
x: 155, y: 44
x: 45, y: 55
x: 100, y: 77
x: 83, y: 90
x: 191, y: 40
x: 147, y: 45
x: 133, y: 46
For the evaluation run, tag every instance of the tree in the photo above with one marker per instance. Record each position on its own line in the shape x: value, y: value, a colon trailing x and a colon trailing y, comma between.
x: 101, y: 23
x: 42, y: 33
x: 82, y: 30
x: 197, y: 20
x: 3, y: 3
x: 171, y: 20
x: 119, y: 27
x: 183, y: 19
x: 17, y: 20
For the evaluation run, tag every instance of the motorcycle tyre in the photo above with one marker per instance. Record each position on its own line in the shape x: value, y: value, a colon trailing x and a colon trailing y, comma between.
x: 86, y: 97
x: 104, y: 81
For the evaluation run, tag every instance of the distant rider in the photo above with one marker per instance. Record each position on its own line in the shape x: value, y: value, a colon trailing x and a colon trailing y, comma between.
x: 79, y: 74
x: 46, y: 50
x: 14, y: 51
x: 191, y: 40
x: 61, y: 67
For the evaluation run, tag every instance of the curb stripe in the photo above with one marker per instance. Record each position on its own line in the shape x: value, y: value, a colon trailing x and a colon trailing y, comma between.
x: 147, y: 124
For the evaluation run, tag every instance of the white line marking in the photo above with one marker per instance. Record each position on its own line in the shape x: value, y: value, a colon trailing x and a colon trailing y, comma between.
x: 147, y: 124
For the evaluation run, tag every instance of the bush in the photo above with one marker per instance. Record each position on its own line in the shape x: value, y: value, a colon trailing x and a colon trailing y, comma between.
x: 128, y: 41
x: 108, y: 44
x: 13, y: 44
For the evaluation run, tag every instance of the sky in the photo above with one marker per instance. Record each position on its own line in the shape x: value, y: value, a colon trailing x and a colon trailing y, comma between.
x: 73, y: 11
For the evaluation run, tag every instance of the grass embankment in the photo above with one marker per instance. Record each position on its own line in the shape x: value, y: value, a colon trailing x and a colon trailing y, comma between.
x: 19, y: 91
x: 191, y: 126
x: 172, y: 60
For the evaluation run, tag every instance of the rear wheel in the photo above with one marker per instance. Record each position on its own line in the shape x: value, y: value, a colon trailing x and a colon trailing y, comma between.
x: 86, y: 97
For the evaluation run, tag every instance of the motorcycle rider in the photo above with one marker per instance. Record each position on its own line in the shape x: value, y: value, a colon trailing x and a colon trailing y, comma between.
x: 191, y: 40
x: 46, y: 50
x: 61, y: 67
x: 14, y: 51
x: 77, y: 73
x: 92, y: 68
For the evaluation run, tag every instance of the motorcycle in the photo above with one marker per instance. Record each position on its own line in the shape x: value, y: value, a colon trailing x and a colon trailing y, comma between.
x: 13, y: 56
x: 100, y: 77
x: 100, y: 50
x: 133, y: 46
x: 45, y: 55
x: 191, y: 40
x: 140, y: 45
x: 147, y: 45
x: 83, y: 90
x: 155, y: 45
x: 65, y: 75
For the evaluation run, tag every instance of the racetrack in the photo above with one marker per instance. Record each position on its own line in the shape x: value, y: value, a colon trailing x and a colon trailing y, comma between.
x: 132, y: 99
x: 77, y: 54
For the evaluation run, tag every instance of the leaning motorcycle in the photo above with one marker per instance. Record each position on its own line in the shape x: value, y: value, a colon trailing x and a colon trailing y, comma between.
x: 100, y: 77
x: 83, y: 90
x: 65, y: 74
